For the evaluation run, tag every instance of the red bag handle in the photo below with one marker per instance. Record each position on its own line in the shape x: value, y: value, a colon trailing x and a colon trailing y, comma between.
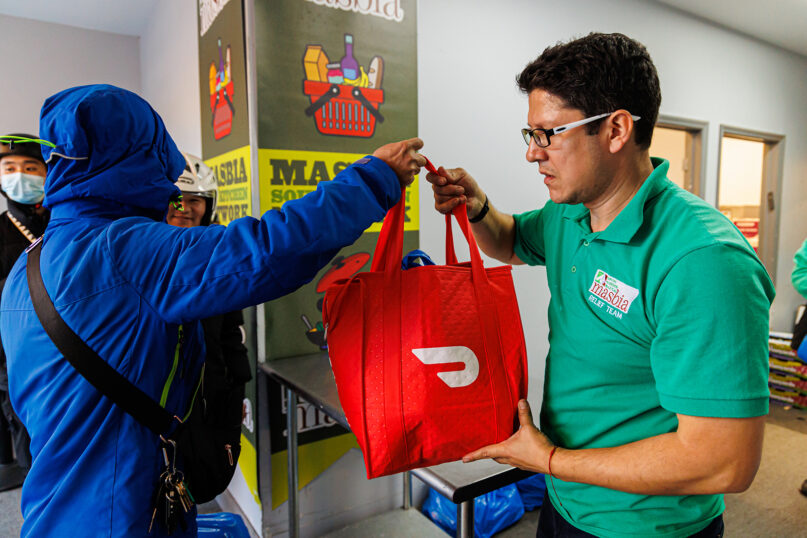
x: 389, y: 246
x: 451, y: 255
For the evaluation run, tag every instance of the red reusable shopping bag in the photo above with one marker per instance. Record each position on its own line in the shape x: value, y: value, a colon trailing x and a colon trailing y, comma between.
x: 429, y: 362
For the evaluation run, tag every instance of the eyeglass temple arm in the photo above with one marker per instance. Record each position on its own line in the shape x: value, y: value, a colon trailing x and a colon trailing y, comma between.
x: 578, y: 123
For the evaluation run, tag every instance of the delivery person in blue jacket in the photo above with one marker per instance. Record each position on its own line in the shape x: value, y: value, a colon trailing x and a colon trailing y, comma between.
x: 124, y: 281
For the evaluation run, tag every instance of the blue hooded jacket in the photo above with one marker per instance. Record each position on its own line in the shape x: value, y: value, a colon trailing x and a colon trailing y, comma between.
x: 124, y: 281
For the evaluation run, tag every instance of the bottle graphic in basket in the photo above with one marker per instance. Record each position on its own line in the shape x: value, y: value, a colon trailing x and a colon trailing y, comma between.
x: 350, y: 67
x: 221, y: 94
x: 345, y: 98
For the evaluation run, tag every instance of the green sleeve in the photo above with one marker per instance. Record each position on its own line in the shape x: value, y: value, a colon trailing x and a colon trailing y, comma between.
x: 710, y: 352
x: 529, y: 243
x: 799, y: 275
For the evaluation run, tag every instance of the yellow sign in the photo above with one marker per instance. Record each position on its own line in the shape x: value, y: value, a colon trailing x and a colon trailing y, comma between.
x: 235, y: 192
x: 312, y: 460
x: 248, y: 461
x: 288, y: 175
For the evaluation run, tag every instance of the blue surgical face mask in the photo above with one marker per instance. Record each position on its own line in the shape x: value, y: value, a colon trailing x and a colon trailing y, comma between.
x: 23, y: 188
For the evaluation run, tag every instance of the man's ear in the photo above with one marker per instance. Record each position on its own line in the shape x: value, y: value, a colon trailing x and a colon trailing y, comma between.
x: 619, y: 130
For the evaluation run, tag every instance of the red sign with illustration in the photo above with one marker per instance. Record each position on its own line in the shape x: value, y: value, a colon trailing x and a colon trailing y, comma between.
x: 221, y: 94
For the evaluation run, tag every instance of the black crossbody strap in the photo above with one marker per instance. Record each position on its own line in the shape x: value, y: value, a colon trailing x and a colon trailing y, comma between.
x: 86, y: 361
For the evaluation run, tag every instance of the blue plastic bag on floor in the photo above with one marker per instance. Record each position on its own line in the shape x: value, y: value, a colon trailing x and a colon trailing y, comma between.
x: 221, y: 525
x: 493, y: 511
x: 532, y: 491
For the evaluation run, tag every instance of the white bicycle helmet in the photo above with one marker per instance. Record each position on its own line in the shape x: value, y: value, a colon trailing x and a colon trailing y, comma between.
x: 198, y: 179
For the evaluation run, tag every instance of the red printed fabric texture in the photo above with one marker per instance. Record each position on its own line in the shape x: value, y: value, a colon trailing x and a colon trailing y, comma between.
x: 429, y: 362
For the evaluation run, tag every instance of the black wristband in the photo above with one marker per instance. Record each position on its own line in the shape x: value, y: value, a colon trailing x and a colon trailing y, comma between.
x: 481, y: 214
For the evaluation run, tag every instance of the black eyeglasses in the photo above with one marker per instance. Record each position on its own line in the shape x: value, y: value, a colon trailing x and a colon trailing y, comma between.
x: 541, y: 136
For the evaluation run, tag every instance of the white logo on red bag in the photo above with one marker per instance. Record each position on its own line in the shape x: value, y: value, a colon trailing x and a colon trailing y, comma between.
x: 448, y: 355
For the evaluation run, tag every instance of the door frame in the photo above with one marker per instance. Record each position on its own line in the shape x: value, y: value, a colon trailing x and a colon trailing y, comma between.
x: 770, y: 196
x: 695, y: 179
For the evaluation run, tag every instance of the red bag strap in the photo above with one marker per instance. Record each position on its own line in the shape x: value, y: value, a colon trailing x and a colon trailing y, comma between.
x: 451, y: 255
x: 389, y: 247
x: 491, y: 334
x: 387, y: 259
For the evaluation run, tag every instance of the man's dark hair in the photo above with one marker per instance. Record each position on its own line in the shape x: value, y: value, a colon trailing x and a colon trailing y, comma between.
x: 599, y: 73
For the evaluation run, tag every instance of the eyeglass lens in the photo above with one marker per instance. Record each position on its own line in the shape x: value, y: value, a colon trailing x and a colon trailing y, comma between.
x: 538, y: 135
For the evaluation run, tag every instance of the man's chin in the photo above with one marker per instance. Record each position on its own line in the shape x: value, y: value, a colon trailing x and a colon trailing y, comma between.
x: 562, y: 198
x: 556, y: 196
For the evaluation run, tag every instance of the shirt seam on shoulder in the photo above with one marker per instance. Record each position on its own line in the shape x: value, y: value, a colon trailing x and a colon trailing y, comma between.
x: 713, y: 243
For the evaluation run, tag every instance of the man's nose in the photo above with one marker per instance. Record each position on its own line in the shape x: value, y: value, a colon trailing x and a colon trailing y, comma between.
x: 535, y: 153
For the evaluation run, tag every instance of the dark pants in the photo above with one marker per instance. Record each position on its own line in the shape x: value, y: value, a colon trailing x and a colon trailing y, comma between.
x: 19, y: 435
x: 552, y: 524
x: 6, y: 452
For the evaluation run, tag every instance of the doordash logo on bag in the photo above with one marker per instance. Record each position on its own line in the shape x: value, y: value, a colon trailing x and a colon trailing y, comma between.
x: 448, y: 355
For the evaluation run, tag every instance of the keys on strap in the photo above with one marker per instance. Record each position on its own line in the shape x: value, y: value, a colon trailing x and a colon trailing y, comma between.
x: 171, y: 499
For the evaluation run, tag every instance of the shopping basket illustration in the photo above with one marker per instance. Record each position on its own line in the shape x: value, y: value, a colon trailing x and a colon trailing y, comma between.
x: 339, y: 109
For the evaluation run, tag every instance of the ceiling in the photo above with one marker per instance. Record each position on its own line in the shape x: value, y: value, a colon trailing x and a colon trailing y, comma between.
x: 127, y: 17
x: 780, y: 22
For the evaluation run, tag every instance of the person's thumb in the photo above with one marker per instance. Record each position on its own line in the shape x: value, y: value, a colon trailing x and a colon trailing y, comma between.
x: 524, y: 414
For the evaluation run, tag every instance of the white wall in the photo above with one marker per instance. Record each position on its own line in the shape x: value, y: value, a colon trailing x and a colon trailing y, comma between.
x: 470, y: 109
x: 43, y: 58
x: 169, y: 50
x: 40, y: 59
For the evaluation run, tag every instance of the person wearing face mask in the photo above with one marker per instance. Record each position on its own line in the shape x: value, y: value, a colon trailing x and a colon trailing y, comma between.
x: 22, y: 179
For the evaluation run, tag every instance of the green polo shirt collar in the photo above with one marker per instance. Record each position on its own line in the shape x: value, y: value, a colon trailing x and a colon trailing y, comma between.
x: 630, y: 219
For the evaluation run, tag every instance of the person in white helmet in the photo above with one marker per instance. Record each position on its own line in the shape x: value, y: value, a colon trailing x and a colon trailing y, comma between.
x: 227, y: 368
x: 199, y: 195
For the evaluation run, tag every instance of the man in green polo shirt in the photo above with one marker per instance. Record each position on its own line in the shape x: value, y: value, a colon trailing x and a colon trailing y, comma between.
x: 656, y: 379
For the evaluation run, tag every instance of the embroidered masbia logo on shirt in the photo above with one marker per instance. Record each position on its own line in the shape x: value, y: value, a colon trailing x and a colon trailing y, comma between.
x: 612, y: 293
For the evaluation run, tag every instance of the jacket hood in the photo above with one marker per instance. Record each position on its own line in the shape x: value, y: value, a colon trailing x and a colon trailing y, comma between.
x: 112, y: 154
